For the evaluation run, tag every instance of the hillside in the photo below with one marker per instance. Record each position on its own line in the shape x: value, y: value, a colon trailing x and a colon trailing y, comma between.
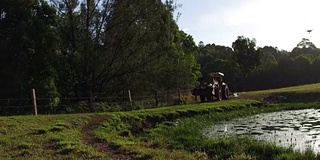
x: 302, y: 93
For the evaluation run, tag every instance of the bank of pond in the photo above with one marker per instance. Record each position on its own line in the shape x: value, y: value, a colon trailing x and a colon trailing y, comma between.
x: 234, y: 129
x: 279, y: 131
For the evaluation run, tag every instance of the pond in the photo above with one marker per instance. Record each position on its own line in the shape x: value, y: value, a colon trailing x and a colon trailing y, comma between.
x: 299, y: 129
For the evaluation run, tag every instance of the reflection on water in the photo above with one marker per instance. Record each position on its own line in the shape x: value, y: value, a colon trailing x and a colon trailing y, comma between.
x: 298, y: 129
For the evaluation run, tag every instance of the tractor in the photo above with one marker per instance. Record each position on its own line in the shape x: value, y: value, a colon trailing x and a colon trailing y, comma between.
x: 217, y: 89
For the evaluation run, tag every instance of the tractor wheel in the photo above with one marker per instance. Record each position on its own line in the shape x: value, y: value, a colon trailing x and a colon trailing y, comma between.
x: 202, y: 98
x: 225, y: 92
x: 218, y: 94
x: 209, y: 98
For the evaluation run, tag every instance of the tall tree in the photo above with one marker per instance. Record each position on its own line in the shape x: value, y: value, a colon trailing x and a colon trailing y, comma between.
x: 108, y: 44
x: 268, y: 60
x: 246, y: 56
x: 305, y: 46
x: 182, y: 68
x: 28, y: 45
x: 306, y: 43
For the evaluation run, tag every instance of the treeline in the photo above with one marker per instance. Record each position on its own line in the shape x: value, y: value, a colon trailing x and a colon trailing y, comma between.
x: 275, y: 68
x: 83, y: 48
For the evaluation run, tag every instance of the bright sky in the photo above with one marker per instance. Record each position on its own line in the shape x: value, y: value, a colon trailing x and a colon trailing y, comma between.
x: 277, y: 23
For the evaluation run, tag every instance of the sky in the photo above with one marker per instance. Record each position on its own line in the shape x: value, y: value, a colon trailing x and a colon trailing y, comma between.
x: 277, y: 23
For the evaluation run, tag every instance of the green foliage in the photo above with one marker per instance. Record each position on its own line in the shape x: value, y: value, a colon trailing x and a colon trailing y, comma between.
x: 105, y: 107
x: 246, y: 55
x: 214, y: 58
x: 268, y: 58
x: 306, y: 43
x: 308, y: 154
x: 28, y: 45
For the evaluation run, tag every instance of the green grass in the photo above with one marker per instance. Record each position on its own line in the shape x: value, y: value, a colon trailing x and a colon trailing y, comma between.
x: 47, y: 136
x: 302, y: 93
x: 43, y: 137
x: 315, y: 88
x: 172, y: 132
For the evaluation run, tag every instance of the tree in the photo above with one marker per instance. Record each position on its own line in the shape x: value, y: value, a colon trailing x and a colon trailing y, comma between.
x: 108, y: 45
x: 285, y: 72
x: 302, y: 68
x: 184, y: 67
x: 306, y: 43
x: 305, y: 46
x: 316, y: 69
x: 138, y: 43
x: 246, y: 56
x: 28, y: 48
x: 201, y: 44
x: 268, y: 60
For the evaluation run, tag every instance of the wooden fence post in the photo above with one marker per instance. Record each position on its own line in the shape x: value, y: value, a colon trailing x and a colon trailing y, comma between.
x: 34, y: 102
x: 91, y: 101
x: 123, y: 96
x: 156, y: 97
x: 179, y: 96
x: 130, y: 99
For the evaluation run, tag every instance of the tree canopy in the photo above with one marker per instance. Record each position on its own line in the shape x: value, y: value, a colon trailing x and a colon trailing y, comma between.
x: 81, y: 47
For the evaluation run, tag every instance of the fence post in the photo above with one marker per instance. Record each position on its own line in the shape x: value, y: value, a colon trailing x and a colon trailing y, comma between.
x: 123, y: 96
x: 179, y: 96
x: 34, y: 102
x: 91, y: 101
x: 156, y: 97
x: 130, y: 99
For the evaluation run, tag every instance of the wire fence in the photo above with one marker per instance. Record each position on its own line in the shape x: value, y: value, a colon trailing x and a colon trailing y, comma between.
x: 95, y: 102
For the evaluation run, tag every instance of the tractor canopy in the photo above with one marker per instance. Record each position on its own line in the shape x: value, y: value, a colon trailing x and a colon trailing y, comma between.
x: 216, y: 74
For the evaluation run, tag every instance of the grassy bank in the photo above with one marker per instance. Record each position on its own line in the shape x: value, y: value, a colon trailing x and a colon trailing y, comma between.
x: 303, y: 93
x: 65, y: 136
x: 161, y: 133
x: 183, y: 138
x: 43, y: 137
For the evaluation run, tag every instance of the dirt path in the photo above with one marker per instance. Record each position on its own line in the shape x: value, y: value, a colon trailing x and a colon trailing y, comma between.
x: 89, y: 138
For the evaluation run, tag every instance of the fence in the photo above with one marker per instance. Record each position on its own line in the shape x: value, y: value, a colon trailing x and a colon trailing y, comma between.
x: 95, y: 102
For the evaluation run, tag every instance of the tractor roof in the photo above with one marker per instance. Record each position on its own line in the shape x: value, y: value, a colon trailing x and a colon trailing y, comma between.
x: 216, y: 74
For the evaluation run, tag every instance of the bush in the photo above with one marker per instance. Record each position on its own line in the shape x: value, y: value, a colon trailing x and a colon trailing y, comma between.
x: 105, y: 107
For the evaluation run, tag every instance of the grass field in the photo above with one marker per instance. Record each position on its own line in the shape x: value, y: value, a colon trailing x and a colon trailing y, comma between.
x: 161, y: 133
x: 303, y: 93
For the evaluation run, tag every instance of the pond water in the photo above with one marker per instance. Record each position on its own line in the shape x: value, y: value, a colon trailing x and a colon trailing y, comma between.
x: 299, y: 129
